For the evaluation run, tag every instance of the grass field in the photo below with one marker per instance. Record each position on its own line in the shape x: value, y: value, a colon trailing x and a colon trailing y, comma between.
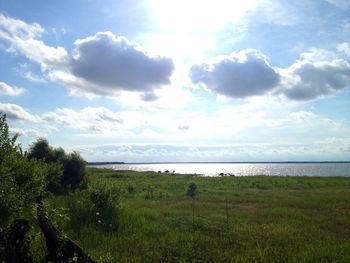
x: 129, y: 216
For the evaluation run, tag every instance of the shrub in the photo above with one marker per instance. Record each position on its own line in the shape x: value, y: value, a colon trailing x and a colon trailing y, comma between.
x: 21, y: 179
x: 53, y: 178
x: 106, y: 201
x: 41, y: 150
x: 98, y: 206
x: 67, y: 170
x: 74, y: 169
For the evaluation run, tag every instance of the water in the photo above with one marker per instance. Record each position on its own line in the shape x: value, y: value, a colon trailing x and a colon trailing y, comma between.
x: 240, y: 169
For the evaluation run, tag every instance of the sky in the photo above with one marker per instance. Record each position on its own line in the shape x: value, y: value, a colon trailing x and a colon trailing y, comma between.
x: 194, y: 80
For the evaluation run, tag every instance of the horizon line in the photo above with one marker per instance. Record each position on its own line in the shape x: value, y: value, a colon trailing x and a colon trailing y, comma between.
x: 237, y: 162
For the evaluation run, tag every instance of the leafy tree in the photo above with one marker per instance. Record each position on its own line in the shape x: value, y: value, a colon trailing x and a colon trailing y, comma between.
x: 67, y: 169
x: 21, y: 179
x: 41, y: 150
x: 74, y: 169
x: 58, y: 155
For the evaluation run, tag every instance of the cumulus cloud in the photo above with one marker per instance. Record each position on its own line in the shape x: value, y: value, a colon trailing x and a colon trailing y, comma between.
x: 240, y: 75
x: 310, y: 78
x: 6, y: 89
x: 344, y: 47
x: 102, y: 64
x: 23, y: 39
x: 247, y: 73
x: 16, y: 112
x: 116, y: 63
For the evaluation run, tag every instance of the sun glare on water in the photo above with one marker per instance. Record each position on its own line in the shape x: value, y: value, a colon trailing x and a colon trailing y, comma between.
x: 199, y: 15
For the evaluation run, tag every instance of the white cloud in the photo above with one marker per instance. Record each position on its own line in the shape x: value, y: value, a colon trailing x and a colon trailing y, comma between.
x: 311, y: 79
x: 16, y: 112
x: 247, y: 73
x: 344, y: 47
x: 90, y: 119
x: 115, y: 63
x: 100, y: 65
x: 23, y: 38
x: 6, y: 89
x: 316, y: 55
x: 241, y: 74
x: 19, y: 28
x: 33, y: 133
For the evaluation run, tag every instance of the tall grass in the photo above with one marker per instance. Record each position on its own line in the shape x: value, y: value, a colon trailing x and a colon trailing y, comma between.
x: 237, y: 219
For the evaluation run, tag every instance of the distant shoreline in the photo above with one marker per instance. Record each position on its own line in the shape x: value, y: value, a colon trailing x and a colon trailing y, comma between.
x: 284, y: 162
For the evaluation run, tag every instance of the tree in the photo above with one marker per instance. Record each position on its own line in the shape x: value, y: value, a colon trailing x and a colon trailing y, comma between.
x: 58, y: 155
x: 67, y: 169
x: 21, y: 179
x: 41, y: 150
x: 74, y: 169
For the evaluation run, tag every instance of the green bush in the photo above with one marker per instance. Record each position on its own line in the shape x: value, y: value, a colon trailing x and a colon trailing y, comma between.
x: 21, y: 179
x: 74, y: 170
x: 53, y: 178
x: 66, y: 171
x: 99, y: 206
x: 106, y: 202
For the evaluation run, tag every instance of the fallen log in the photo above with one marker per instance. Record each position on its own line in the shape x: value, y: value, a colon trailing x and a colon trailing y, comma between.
x: 59, y: 248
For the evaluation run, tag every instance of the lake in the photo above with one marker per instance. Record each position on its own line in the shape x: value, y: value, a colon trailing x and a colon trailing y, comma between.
x: 240, y: 169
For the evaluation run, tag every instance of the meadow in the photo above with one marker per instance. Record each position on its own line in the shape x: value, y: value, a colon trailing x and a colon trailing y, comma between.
x: 126, y: 216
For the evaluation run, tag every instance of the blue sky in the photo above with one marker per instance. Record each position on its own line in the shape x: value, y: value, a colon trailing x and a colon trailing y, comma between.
x: 161, y: 80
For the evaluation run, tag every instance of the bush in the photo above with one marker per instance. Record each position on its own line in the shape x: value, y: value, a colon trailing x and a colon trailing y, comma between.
x: 66, y: 171
x: 74, y: 170
x: 53, y: 178
x: 41, y: 150
x: 98, y: 206
x: 106, y: 202
x: 21, y: 179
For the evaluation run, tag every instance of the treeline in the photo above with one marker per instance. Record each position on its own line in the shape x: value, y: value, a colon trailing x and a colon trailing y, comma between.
x: 66, y: 171
x: 25, y: 175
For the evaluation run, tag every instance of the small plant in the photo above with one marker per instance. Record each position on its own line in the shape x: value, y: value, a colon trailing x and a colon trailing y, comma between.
x: 192, y: 192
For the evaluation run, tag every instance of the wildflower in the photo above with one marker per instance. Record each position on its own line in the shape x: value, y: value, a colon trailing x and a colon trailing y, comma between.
x: 97, y: 213
x: 75, y: 259
x: 99, y: 221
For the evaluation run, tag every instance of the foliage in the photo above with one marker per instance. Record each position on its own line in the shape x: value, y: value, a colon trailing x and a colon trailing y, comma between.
x: 40, y: 150
x: 98, y: 206
x: 21, y: 179
x: 53, y: 178
x: 67, y: 171
x: 74, y: 169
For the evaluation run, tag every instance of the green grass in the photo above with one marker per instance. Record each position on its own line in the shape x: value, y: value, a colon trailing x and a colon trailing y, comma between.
x: 237, y: 219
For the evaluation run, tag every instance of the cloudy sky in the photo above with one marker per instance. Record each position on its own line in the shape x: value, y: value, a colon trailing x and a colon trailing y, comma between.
x: 184, y: 80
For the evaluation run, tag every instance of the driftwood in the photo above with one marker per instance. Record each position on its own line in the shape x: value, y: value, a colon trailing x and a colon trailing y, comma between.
x: 60, y: 248
x: 15, y: 244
